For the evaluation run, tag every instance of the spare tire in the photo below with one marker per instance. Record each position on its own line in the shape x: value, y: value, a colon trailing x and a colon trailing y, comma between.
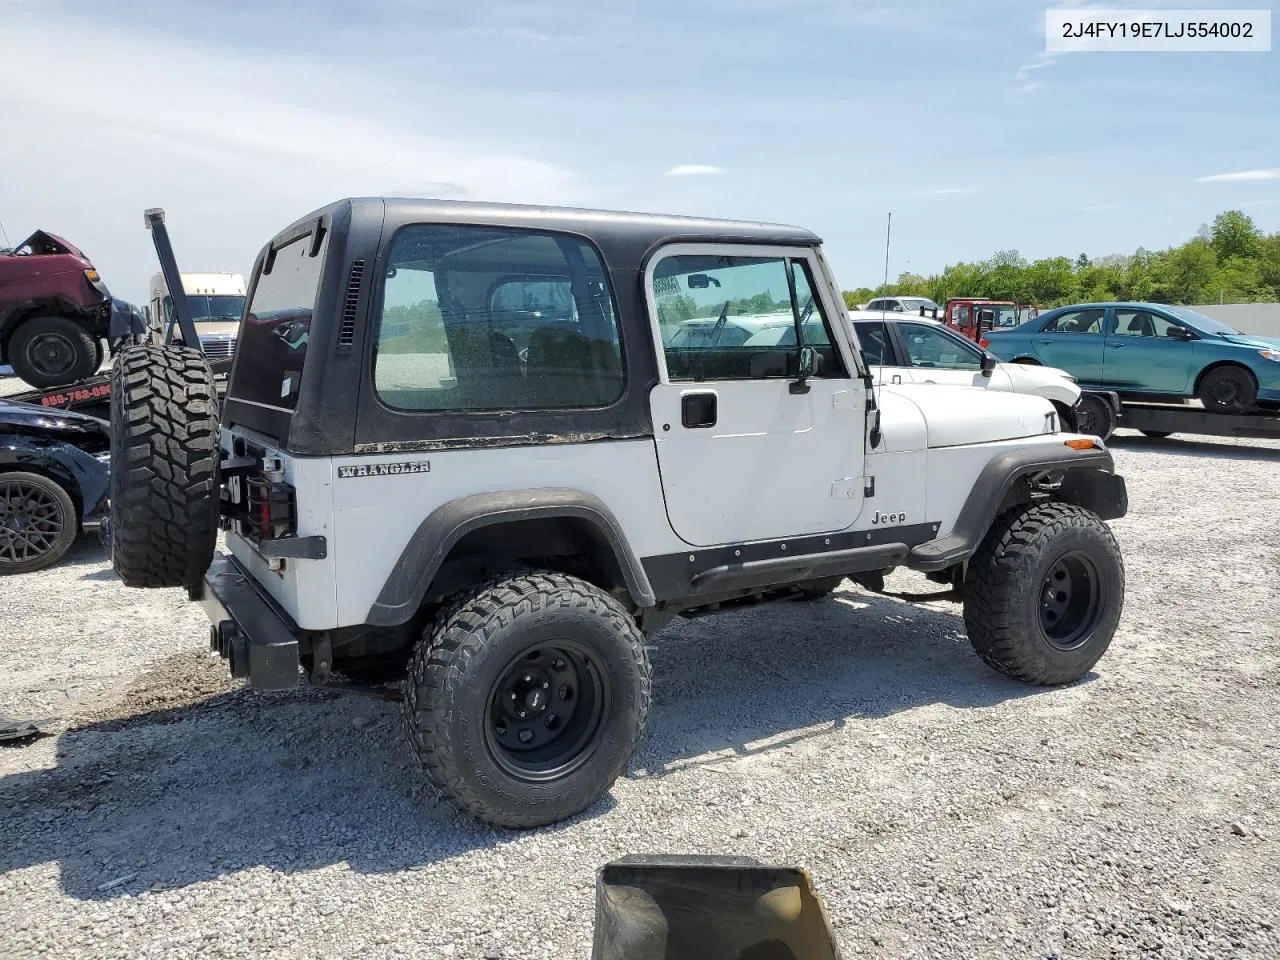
x: 164, y: 466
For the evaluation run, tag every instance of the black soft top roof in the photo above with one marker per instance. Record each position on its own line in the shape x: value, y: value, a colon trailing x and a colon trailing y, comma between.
x: 605, y: 226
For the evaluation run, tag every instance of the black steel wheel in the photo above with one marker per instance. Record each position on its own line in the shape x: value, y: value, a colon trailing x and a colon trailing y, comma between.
x: 526, y: 697
x: 52, y: 351
x: 1070, y: 597
x: 1044, y: 592
x: 1228, y: 389
x: 546, y: 709
x: 38, y: 522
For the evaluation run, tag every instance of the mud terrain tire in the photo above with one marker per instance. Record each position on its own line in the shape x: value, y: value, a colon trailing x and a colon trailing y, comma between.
x: 164, y: 466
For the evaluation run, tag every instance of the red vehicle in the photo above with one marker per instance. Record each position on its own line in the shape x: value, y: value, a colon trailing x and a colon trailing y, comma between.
x: 55, y: 312
x: 974, y: 316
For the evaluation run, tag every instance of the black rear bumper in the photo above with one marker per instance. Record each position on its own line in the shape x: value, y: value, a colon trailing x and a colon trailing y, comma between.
x: 259, y: 641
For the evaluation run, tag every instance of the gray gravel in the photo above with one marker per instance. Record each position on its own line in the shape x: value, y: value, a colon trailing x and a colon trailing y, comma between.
x: 943, y: 811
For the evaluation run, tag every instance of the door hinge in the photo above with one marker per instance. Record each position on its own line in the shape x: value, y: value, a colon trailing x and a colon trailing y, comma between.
x: 868, y: 486
x: 844, y: 400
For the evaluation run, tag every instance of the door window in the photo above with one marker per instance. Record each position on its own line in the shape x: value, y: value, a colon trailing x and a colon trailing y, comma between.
x: 1142, y: 323
x: 1076, y: 321
x: 931, y: 346
x: 732, y: 318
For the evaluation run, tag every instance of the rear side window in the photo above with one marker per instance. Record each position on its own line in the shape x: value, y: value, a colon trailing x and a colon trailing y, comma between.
x: 1075, y: 321
x: 476, y: 318
x: 277, y: 328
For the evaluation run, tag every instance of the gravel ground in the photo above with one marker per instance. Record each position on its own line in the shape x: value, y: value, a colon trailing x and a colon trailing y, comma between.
x: 943, y: 811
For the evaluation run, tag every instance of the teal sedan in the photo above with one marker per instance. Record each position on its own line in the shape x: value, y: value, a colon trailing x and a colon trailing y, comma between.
x: 1149, y: 351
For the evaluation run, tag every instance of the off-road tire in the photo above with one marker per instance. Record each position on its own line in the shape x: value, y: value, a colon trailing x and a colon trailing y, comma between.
x: 71, y: 336
x: 1228, y: 389
x: 164, y: 466
x: 472, y: 645
x: 55, y: 503
x: 1096, y: 417
x: 1004, y: 591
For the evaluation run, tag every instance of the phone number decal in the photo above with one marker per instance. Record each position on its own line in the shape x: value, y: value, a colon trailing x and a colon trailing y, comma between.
x: 76, y: 396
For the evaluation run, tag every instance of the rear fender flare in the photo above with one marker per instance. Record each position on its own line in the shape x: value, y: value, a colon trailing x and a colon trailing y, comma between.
x: 407, y: 585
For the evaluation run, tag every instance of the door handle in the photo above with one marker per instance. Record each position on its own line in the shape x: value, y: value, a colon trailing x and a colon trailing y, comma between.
x: 698, y: 410
x: 1046, y: 342
x: 1114, y: 346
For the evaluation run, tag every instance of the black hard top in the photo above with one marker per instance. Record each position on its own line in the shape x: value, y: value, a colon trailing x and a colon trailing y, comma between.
x: 605, y: 226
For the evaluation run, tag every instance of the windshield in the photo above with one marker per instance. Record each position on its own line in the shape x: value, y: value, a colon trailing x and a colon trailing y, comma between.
x: 1201, y: 322
x: 1006, y: 316
x: 913, y: 304
x: 208, y: 309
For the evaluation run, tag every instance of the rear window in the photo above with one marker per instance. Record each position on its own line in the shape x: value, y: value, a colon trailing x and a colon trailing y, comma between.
x: 478, y: 318
x: 277, y: 328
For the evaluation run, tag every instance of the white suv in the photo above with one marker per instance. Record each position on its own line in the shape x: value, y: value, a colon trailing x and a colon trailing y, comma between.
x: 458, y: 452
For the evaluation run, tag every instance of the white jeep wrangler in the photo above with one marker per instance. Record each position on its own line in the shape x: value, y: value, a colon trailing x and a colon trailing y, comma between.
x: 461, y: 446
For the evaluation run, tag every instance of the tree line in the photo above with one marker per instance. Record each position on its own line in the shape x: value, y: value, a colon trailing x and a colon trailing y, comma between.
x: 1229, y: 261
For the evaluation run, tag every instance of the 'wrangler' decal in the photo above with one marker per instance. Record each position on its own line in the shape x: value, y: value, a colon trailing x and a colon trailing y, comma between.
x: 384, y: 469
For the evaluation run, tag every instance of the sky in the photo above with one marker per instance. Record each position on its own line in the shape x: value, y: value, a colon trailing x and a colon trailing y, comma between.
x: 239, y: 117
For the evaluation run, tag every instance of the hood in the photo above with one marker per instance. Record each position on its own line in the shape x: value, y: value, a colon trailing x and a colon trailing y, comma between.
x: 1249, y: 340
x: 1029, y: 377
x: 43, y: 243
x: 955, y: 416
x: 77, y: 429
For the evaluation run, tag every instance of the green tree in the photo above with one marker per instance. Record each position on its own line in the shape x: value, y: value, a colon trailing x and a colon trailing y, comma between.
x: 1233, y: 234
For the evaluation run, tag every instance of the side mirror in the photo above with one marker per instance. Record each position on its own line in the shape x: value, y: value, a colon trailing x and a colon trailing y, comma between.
x: 986, y: 319
x: 1181, y: 333
x: 807, y: 363
x: 700, y: 281
x: 988, y: 364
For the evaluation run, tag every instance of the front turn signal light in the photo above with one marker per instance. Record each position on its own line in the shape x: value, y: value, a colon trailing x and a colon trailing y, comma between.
x: 1082, y: 443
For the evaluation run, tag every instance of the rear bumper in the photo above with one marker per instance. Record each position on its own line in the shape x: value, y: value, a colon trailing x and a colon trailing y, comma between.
x: 259, y: 642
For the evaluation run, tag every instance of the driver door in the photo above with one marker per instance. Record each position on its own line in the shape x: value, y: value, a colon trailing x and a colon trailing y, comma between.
x: 743, y: 453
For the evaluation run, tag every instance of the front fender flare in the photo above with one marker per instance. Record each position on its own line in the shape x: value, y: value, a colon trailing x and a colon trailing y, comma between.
x: 1090, y: 481
x: 427, y: 549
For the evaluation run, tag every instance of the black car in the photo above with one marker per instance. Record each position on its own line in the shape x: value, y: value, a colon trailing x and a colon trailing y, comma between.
x: 54, y: 469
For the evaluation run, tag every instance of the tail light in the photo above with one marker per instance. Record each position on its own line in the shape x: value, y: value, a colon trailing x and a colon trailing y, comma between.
x: 272, y: 511
x: 984, y: 342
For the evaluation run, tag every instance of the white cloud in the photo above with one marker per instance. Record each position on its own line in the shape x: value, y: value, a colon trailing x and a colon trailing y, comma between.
x: 1024, y: 73
x: 694, y: 170
x: 1270, y: 173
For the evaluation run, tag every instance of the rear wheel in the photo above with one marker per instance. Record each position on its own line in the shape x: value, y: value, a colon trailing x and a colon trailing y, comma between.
x: 1095, y: 416
x: 164, y: 473
x: 52, y: 351
x: 38, y: 522
x: 1043, y: 593
x: 526, y: 698
x: 1228, y: 390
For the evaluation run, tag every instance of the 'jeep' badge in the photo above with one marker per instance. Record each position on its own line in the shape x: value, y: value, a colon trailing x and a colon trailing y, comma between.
x: 384, y: 469
x: 888, y: 517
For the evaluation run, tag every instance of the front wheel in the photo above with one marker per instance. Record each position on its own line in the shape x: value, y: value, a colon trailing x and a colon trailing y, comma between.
x: 1228, y: 390
x: 1043, y: 593
x: 526, y: 698
x: 1095, y: 416
x: 52, y: 351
